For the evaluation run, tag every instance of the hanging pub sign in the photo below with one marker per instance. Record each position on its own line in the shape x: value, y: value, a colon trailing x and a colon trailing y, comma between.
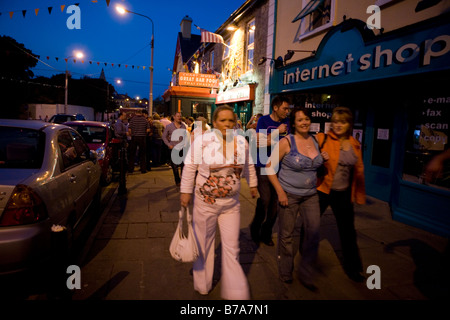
x: 198, y: 80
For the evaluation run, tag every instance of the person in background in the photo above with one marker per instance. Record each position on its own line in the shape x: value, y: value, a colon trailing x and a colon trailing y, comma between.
x: 175, y: 144
x: 298, y: 202
x: 269, y: 128
x: 120, y: 127
x: 148, y: 144
x: 190, y: 124
x: 343, y: 185
x: 252, y: 123
x: 157, y: 141
x: 216, y: 202
x: 138, y: 129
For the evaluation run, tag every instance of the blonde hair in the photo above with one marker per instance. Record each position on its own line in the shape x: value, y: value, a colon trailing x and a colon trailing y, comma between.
x: 345, y: 114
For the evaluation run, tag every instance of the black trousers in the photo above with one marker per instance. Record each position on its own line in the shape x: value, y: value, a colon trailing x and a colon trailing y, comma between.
x: 266, y: 208
x: 342, y: 207
x: 137, y: 142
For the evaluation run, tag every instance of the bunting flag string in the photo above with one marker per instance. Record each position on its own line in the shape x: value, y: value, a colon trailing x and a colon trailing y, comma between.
x: 112, y: 64
x: 49, y: 9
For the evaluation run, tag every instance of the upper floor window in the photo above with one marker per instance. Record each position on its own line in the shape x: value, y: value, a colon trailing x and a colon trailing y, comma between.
x: 315, y: 16
x: 226, y: 51
x: 211, y: 60
x: 250, y: 44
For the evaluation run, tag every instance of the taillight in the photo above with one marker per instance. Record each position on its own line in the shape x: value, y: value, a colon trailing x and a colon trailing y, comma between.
x: 23, y: 207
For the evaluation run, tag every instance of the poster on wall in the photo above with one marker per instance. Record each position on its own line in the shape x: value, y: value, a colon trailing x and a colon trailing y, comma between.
x: 383, y: 134
x: 357, y: 134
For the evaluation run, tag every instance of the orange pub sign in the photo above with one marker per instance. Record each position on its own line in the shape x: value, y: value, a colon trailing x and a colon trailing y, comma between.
x: 198, y: 80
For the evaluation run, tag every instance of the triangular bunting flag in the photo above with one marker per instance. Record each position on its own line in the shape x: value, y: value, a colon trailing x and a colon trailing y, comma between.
x: 112, y: 64
x: 143, y: 67
x: 65, y: 59
x: 90, y: 62
x: 57, y: 58
x: 24, y: 12
x: 74, y: 61
x: 50, y: 10
x: 98, y: 63
x: 62, y: 7
x: 48, y: 57
x: 36, y: 11
x: 105, y: 64
x: 107, y: 2
x: 11, y: 14
x: 119, y: 65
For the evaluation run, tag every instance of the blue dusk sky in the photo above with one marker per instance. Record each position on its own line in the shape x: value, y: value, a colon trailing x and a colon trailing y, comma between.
x: 105, y: 36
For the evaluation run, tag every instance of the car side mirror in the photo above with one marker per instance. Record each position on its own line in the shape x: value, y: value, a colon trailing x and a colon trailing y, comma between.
x: 93, y: 156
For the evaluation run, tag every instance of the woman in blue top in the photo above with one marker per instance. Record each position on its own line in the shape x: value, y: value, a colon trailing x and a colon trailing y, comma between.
x: 298, y: 205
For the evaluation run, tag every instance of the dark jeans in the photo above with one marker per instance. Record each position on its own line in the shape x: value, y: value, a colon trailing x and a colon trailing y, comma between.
x: 342, y: 206
x: 266, y: 208
x: 157, y: 145
x: 137, y: 142
x: 177, y: 168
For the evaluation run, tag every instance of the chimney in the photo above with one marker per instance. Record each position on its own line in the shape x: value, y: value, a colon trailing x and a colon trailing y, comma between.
x: 185, y: 24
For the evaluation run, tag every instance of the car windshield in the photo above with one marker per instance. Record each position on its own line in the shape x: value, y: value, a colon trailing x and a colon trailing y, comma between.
x: 21, y: 148
x: 91, y: 134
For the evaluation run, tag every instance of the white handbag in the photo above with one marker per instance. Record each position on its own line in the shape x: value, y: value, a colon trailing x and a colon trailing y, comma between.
x: 182, y: 248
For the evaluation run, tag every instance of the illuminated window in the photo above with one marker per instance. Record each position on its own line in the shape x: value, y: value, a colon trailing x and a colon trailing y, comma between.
x: 250, y: 44
x: 226, y: 50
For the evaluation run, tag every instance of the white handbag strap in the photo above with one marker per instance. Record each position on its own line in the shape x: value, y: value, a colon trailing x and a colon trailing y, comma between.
x: 185, y: 211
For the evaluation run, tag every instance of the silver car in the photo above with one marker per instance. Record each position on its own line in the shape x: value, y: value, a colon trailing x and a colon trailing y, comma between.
x: 48, y: 176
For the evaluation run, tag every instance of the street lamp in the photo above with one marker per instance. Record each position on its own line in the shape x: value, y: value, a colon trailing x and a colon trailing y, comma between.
x: 122, y: 10
x: 78, y: 55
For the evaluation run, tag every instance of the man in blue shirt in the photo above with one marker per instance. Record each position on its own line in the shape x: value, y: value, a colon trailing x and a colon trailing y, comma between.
x: 270, y: 129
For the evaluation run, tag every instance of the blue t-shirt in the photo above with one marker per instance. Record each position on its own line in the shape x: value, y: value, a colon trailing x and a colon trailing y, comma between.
x: 266, y: 123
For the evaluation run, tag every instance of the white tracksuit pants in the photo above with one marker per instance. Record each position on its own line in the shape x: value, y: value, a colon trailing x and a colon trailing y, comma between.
x: 226, y: 212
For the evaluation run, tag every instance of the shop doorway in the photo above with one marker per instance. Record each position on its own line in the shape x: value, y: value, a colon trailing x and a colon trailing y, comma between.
x: 379, y: 149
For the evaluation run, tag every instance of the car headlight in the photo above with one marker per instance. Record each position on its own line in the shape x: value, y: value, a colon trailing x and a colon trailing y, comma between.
x: 100, y: 153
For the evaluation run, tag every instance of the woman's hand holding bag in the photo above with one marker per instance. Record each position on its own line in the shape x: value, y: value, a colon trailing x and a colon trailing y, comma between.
x: 184, y: 248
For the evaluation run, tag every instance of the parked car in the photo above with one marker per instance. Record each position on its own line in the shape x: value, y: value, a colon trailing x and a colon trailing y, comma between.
x: 61, y: 118
x: 98, y: 136
x: 48, y: 176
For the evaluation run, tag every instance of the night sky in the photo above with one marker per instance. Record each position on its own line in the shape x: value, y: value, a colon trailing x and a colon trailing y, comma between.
x: 108, y: 39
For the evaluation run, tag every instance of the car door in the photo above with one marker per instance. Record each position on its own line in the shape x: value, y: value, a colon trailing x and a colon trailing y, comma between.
x: 91, y: 169
x: 74, y: 178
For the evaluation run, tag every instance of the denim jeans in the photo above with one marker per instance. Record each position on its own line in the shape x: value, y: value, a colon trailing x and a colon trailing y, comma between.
x: 302, y: 211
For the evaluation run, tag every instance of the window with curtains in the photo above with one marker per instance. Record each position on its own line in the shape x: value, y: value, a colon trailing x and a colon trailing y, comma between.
x: 250, y: 44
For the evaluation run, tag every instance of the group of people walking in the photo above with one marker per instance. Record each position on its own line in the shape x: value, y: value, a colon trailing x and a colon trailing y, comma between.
x: 290, y: 191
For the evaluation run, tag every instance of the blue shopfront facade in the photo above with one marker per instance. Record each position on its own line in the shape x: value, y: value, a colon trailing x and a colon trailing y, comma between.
x: 397, y: 84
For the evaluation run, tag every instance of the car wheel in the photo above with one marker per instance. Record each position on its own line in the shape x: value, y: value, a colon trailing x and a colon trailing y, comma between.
x: 108, y: 177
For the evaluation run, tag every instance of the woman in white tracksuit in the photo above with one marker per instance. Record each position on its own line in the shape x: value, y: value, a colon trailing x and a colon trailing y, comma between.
x: 220, y: 163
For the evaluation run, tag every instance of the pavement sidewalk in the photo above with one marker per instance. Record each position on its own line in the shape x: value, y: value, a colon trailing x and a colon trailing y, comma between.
x: 128, y: 258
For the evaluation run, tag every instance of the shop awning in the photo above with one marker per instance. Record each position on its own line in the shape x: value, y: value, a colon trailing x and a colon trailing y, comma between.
x: 188, y: 92
x: 312, y: 6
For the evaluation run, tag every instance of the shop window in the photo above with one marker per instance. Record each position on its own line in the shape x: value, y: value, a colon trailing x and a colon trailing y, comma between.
x: 427, y: 137
x: 250, y: 44
x: 201, y: 109
x: 315, y: 16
